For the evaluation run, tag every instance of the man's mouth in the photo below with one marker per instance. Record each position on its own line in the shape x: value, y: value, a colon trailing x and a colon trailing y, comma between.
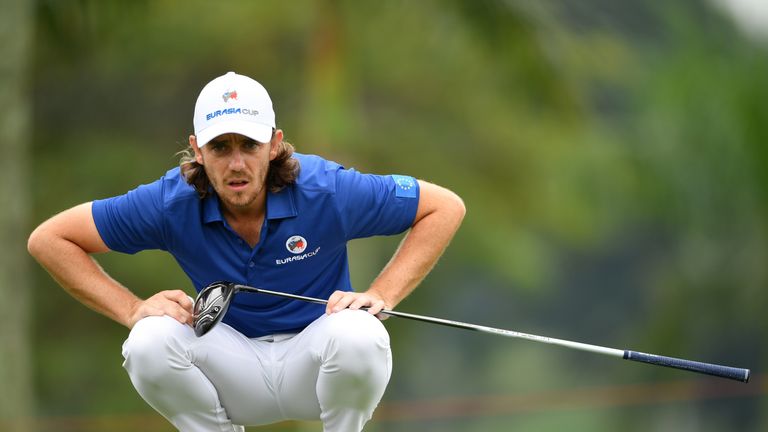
x: 237, y: 185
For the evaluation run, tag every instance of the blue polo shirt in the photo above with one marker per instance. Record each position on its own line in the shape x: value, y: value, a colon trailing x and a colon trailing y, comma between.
x: 302, y: 248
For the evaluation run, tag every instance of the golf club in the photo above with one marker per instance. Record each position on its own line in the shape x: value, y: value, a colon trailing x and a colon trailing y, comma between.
x: 214, y: 300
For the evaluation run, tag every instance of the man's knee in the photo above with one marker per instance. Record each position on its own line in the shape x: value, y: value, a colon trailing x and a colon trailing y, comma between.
x: 358, y: 341
x: 356, y: 368
x: 155, y: 344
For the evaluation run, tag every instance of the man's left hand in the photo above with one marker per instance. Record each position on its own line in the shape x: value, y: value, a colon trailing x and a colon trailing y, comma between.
x: 341, y: 300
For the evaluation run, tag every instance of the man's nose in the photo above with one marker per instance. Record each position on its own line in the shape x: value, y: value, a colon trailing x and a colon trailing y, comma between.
x: 236, y: 162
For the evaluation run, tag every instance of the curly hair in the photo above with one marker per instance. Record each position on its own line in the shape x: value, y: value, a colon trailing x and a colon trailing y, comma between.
x: 283, y: 170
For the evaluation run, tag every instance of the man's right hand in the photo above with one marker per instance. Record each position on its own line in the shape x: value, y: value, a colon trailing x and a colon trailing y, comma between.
x: 174, y: 303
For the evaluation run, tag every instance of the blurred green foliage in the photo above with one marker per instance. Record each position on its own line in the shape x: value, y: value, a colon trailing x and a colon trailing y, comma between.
x: 612, y: 157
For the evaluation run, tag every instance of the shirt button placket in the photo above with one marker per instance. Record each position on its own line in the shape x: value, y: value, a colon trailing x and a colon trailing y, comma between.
x: 252, y: 264
x: 252, y: 257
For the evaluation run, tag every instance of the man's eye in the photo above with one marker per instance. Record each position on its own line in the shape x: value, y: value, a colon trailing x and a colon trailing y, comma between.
x: 251, y: 144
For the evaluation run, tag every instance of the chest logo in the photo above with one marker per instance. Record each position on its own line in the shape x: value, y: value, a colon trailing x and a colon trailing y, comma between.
x: 296, y: 244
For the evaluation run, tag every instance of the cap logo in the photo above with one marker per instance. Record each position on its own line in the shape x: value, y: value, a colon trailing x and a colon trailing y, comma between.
x: 232, y: 94
x: 296, y: 244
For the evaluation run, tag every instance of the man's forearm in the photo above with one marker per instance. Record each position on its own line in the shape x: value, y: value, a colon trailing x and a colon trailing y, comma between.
x: 82, y: 277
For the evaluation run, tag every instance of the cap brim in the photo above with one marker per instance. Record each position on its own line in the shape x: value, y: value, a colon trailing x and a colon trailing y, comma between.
x: 259, y: 132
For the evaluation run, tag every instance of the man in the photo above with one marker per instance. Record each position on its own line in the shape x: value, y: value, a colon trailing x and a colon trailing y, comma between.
x: 243, y: 207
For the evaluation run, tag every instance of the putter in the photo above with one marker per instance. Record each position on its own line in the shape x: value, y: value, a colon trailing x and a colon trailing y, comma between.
x: 213, y: 301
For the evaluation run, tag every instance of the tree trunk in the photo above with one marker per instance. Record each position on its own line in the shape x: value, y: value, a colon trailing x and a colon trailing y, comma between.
x: 15, y: 113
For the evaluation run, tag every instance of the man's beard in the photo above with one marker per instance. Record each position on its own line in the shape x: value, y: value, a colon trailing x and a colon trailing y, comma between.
x: 239, y: 199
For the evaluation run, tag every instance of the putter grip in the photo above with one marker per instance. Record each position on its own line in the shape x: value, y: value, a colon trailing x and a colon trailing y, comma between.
x: 733, y: 373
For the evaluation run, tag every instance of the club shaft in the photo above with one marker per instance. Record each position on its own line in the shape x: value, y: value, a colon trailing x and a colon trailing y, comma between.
x: 738, y: 374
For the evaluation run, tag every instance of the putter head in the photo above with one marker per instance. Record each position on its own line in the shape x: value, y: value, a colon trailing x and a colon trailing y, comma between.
x: 210, y: 306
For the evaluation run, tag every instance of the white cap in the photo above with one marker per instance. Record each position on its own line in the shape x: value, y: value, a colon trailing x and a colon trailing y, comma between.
x: 233, y: 103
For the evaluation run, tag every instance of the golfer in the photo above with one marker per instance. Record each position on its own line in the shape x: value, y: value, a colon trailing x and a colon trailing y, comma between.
x: 243, y: 207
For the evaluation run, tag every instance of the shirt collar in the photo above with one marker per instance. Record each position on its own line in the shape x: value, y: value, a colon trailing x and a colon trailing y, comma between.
x: 280, y: 205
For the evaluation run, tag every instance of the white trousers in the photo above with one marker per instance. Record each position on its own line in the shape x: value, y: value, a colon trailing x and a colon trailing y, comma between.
x: 335, y: 370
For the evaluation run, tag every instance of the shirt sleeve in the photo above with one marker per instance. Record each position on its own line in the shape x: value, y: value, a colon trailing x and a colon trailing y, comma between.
x: 372, y: 205
x: 132, y: 222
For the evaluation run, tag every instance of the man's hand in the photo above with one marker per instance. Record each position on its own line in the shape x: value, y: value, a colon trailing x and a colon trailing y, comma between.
x: 341, y: 300
x: 174, y: 303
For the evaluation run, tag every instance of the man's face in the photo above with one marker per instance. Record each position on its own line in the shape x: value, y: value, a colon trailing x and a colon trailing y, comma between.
x: 237, y: 168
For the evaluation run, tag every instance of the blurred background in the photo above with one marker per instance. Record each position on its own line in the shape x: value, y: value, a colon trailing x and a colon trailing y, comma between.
x: 612, y: 157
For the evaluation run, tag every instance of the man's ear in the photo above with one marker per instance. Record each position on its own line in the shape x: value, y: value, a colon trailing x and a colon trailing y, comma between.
x: 196, y: 149
x: 274, y: 144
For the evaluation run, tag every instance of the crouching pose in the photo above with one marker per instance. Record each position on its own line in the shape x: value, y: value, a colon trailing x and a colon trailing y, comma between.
x: 244, y: 207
